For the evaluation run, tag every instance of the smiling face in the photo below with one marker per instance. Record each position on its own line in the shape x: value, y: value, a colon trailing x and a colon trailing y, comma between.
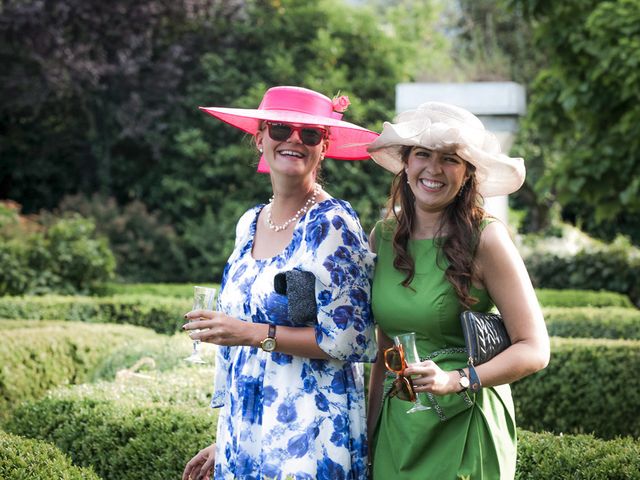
x: 435, y: 177
x: 290, y: 156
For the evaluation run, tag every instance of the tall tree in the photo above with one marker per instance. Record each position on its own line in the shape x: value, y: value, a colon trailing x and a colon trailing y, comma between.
x: 585, y: 106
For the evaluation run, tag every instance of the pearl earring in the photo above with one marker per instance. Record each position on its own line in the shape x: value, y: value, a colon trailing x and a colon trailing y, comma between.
x: 260, y: 149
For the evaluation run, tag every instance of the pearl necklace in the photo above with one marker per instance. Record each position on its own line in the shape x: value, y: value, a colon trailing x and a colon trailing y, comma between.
x: 278, y: 228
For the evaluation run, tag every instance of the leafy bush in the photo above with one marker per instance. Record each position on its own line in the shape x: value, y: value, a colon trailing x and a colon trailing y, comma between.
x: 143, y: 428
x: 581, y: 298
x: 35, y: 357
x: 161, y: 314
x: 614, y: 267
x: 26, y: 459
x: 65, y: 257
x: 145, y: 247
x: 590, y: 386
x: 586, y: 322
x: 569, y: 457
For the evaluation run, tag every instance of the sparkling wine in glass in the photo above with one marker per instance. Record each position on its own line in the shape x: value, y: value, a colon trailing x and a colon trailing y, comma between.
x: 203, y: 298
x: 408, y: 342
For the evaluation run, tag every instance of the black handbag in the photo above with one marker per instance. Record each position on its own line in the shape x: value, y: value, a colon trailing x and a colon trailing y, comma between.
x: 300, y: 289
x: 485, y: 335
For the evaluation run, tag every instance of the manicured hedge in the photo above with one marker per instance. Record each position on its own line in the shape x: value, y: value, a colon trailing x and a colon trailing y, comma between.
x: 177, y: 290
x: 570, y: 457
x: 130, y: 429
x: 581, y: 298
x: 27, y: 459
x: 36, y: 357
x: 161, y: 314
x: 586, y: 322
x: 590, y: 386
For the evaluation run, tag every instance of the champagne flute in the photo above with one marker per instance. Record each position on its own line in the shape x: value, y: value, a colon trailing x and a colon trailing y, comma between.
x: 408, y: 343
x: 203, y: 298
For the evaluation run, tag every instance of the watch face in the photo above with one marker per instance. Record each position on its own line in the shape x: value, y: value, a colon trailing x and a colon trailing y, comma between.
x: 464, y: 382
x: 268, y: 344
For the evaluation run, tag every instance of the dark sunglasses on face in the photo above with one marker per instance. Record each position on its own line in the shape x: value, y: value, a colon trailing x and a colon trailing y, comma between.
x: 402, y: 386
x: 310, y: 136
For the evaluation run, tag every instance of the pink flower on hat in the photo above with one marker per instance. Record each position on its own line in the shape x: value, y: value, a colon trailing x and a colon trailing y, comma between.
x: 340, y: 103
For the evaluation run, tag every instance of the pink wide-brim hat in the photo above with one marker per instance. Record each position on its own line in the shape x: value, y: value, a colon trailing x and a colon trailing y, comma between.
x: 347, y: 141
x: 439, y: 125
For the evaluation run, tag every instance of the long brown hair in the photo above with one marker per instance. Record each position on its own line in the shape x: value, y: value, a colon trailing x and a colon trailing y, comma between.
x: 462, y: 219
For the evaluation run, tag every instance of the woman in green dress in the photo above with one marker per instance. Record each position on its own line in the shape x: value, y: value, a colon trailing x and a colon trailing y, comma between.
x: 440, y: 253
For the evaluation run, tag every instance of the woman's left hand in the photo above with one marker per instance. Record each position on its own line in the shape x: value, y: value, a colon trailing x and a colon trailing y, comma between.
x: 429, y: 377
x: 219, y: 328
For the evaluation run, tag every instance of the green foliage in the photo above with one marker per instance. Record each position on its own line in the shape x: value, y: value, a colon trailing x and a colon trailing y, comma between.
x: 66, y: 257
x: 26, y: 459
x: 569, y: 457
x: 581, y: 298
x: 585, y: 103
x: 614, y: 267
x: 177, y: 290
x: 161, y: 314
x: 36, y: 358
x: 150, y: 427
x: 587, y: 322
x: 588, y: 387
x: 144, y: 247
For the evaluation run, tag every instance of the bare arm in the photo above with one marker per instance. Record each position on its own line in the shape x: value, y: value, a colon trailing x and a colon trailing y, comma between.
x: 376, y: 383
x: 504, y: 275
x: 222, y: 329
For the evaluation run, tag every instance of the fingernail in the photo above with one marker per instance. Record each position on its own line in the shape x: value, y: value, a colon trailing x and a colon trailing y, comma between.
x: 185, y: 315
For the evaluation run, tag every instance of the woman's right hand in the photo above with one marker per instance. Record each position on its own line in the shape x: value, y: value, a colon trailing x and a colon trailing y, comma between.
x: 201, y: 465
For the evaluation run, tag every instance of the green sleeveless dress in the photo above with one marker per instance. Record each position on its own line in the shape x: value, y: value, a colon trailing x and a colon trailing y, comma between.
x: 463, y: 436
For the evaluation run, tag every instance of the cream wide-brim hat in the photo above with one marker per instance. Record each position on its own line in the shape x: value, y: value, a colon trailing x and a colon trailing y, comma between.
x: 438, y: 125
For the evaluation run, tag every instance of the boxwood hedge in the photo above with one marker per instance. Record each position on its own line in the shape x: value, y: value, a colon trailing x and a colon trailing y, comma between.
x: 37, y: 356
x: 586, y: 322
x: 569, y: 457
x: 590, y: 386
x: 161, y: 314
x: 27, y: 459
x: 582, y: 298
x: 129, y: 429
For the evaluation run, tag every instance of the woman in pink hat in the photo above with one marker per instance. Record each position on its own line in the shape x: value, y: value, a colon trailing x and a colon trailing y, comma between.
x: 291, y: 394
x: 438, y: 254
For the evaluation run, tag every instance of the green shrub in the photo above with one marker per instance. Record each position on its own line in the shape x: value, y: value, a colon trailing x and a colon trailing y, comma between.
x: 590, y: 386
x: 27, y: 459
x: 613, y: 267
x: 568, y: 457
x: 178, y: 290
x: 36, y: 358
x: 161, y: 314
x: 581, y: 298
x: 67, y: 257
x: 139, y: 428
x: 613, y: 322
x: 144, y: 246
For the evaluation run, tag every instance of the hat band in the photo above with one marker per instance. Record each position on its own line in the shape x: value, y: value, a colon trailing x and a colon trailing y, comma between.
x: 299, y: 102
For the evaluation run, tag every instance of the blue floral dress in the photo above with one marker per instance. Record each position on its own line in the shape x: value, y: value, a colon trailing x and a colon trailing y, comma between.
x: 285, y: 416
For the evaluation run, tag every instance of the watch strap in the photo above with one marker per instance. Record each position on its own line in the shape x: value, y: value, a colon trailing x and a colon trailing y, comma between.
x: 272, y: 331
x: 475, y: 384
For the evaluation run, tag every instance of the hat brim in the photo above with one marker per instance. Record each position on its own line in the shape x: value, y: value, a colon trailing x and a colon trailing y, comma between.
x: 347, y: 141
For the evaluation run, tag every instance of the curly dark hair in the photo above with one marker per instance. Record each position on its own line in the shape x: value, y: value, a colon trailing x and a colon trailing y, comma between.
x: 462, y: 219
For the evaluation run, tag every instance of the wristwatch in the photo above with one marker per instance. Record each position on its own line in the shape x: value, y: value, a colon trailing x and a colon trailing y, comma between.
x: 269, y: 343
x: 464, y: 381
